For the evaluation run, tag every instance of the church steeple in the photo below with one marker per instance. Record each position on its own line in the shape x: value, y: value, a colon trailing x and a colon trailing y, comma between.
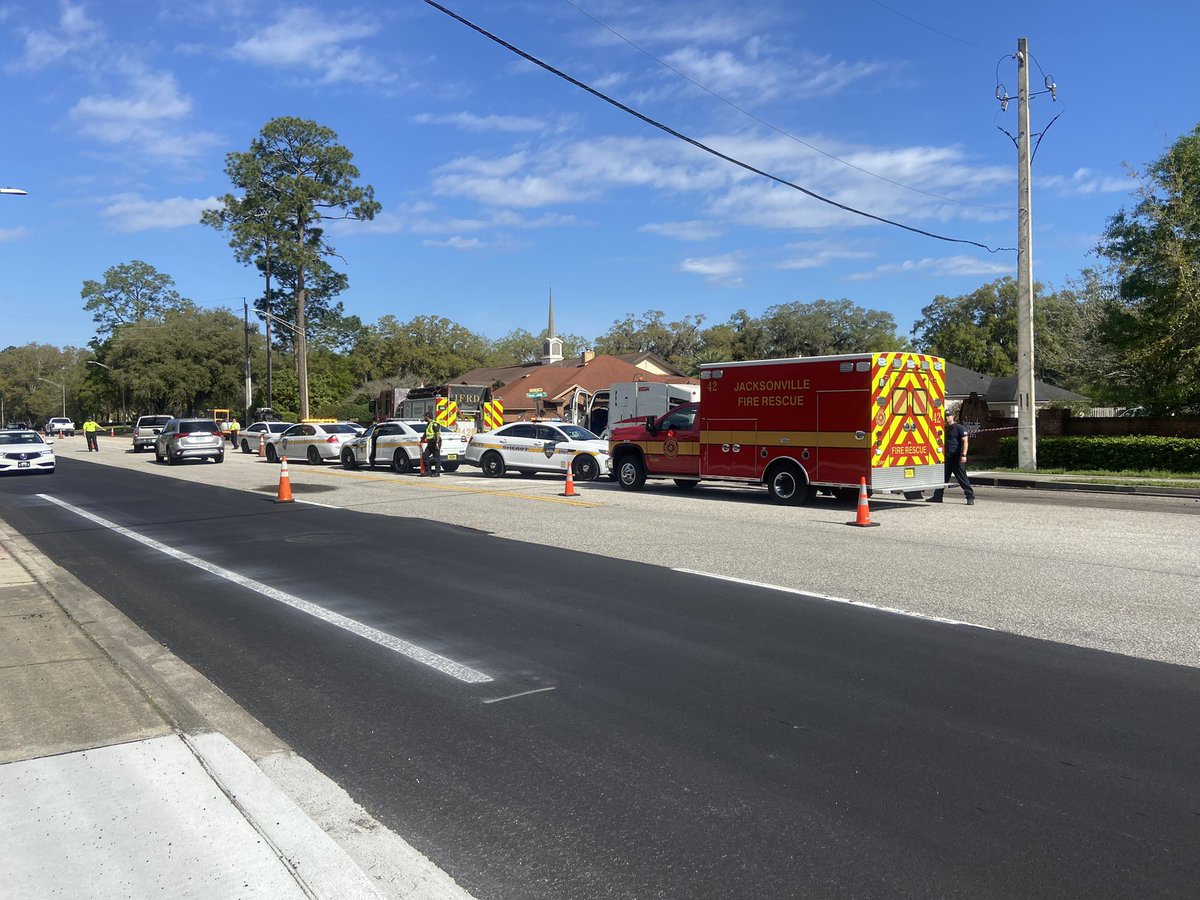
x: 551, y: 346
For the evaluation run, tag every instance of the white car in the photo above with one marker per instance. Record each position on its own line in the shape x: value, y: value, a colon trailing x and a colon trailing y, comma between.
x: 540, y: 447
x: 26, y: 451
x: 315, y: 441
x: 250, y: 438
x: 454, y: 445
x: 398, y: 444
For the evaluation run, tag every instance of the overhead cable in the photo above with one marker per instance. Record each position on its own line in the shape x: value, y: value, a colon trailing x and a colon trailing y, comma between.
x: 701, y: 146
x: 775, y: 128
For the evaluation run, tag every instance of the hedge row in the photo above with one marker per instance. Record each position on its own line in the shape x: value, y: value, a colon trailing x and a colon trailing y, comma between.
x: 1116, y: 454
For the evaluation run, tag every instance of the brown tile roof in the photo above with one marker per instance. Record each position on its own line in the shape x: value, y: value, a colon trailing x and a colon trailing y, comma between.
x: 558, y: 380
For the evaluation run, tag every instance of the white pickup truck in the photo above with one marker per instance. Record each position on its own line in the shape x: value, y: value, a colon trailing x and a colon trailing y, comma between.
x: 146, y: 430
x: 61, y: 426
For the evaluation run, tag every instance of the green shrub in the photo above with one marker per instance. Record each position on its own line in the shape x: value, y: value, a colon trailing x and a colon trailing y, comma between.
x: 1108, y: 454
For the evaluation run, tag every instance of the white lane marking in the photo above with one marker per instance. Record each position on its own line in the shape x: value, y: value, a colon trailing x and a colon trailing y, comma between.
x: 788, y: 590
x: 412, y: 651
x: 522, y: 694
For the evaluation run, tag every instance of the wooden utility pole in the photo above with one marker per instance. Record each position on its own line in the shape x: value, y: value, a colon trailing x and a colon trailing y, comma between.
x: 1026, y: 402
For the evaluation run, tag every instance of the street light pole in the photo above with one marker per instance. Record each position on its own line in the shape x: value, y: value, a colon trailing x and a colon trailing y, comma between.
x: 120, y: 381
x: 300, y: 343
x: 64, y: 392
x: 246, y: 332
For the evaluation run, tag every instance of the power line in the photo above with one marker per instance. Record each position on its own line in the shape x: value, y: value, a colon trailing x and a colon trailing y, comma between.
x: 699, y: 145
x: 767, y: 124
x: 929, y: 27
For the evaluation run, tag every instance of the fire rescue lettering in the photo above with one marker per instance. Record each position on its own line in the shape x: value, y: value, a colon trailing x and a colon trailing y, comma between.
x: 761, y: 398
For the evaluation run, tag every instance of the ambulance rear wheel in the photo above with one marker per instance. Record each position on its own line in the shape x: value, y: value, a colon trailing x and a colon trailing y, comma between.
x: 686, y: 484
x: 631, y: 473
x: 787, y: 485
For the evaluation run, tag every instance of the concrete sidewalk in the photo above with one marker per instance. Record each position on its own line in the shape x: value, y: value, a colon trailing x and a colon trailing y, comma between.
x: 125, y: 773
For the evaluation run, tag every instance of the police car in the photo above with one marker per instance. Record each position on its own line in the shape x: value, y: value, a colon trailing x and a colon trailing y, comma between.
x: 315, y: 441
x: 398, y: 444
x: 251, y: 436
x: 540, y: 447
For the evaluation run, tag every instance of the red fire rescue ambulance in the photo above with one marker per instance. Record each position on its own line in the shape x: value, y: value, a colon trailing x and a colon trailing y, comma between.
x: 799, y: 426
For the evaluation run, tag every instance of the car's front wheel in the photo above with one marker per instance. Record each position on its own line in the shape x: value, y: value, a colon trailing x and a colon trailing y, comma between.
x: 492, y: 464
x: 586, y: 468
x: 401, y: 464
x: 272, y: 454
x: 348, y: 460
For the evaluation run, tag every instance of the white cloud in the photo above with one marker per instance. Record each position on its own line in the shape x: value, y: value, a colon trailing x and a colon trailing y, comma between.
x: 456, y: 243
x: 130, y: 212
x: 717, y: 270
x: 752, y: 74
x: 75, y: 32
x: 486, y: 124
x: 146, y: 117
x: 1085, y: 181
x: 13, y: 234
x: 304, y: 39
x: 695, y: 230
x: 816, y: 254
x: 946, y: 266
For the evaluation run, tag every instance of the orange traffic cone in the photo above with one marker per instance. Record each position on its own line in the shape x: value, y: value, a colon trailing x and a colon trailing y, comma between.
x: 262, y: 443
x: 421, y: 449
x: 863, y: 519
x: 112, y: 432
x: 570, y: 491
x: 285, y: 484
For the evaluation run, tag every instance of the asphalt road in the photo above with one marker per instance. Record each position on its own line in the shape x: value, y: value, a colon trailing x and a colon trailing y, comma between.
x: 647, y: 732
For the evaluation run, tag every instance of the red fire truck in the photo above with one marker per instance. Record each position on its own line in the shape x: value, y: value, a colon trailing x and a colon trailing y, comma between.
x: 799, y: 426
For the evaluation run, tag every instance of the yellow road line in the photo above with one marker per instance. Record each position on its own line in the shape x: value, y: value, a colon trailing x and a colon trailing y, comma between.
x: 399, y: 480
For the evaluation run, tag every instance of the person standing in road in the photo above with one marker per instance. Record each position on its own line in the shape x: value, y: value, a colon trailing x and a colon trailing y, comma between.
x: 957, y: 441
x: 234, y: 427
x: 433, y: 448
x: 90, y: 427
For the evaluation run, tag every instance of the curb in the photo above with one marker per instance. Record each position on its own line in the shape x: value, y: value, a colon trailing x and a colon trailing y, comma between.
x: 1044, y: 484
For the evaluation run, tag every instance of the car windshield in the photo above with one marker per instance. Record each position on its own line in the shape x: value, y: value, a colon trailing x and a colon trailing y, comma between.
x: 21, y: 437
x: 200, y: 425
x: 577, y: 433
x: 278, y: 427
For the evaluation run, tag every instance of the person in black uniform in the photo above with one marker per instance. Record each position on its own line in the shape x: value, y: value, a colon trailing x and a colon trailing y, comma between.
x: 957, y: 441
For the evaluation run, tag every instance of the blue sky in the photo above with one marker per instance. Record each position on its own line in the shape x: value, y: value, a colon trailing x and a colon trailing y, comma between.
x: 500, y: 181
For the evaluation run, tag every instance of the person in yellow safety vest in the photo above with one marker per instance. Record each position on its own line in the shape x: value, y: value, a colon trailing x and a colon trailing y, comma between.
x: 89, y: 431
x: 234, y: 427
x: 433, y: 447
